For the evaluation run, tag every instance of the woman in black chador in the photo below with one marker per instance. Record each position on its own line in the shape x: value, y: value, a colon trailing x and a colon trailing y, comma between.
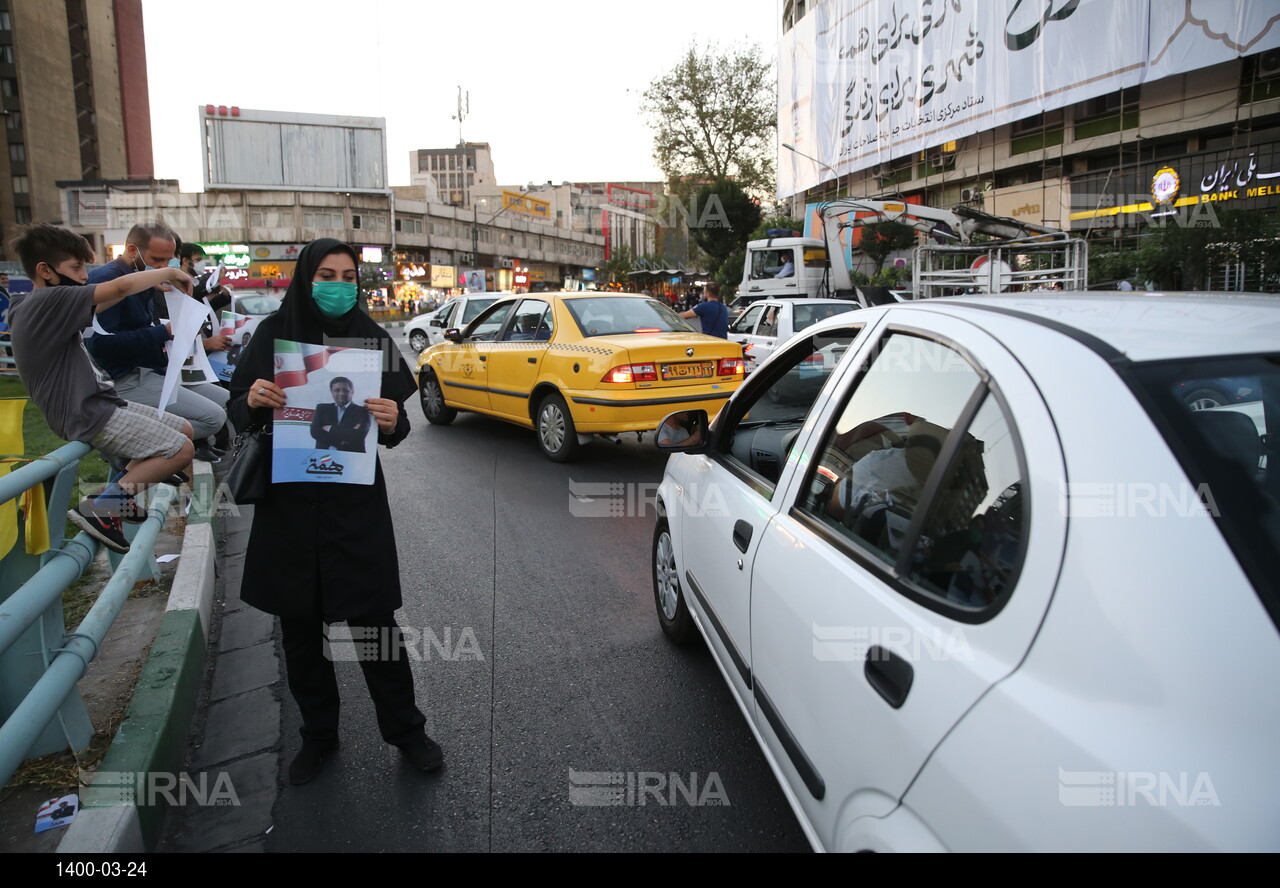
x: 326, y: 553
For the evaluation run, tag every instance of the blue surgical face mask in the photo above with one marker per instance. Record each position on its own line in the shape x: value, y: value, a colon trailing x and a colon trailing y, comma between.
x: 175, y: 262
x: 334, y: 298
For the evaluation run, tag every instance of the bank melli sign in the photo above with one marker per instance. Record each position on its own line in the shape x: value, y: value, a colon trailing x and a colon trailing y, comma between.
x: 861, y: 82
x: 1234, y: 179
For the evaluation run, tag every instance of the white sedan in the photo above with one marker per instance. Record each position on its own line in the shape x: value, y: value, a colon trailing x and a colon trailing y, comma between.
x: 993, y: 584
x: 770, y: 322
x: 429, y: 329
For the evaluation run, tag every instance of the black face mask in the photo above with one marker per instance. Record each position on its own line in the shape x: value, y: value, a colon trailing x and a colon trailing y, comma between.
x: 64, y: 281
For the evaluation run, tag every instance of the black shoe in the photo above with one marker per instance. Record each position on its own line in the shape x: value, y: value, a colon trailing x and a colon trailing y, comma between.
x: 207, y: 454
x: 309, y: 761
x: 101, y: 525
x: 177, y: 479
x: 424, y: 755
x: 132, y: 511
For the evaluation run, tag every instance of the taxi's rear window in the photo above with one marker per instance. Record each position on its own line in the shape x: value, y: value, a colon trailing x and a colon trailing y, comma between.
x: 611, y: 315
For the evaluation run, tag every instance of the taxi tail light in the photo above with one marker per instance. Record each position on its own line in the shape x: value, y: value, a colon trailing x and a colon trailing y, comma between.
x: 628, y: 373
x: 732, y: 367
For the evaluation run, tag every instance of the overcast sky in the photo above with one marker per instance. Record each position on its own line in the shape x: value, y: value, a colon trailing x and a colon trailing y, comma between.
x: 555, y: 87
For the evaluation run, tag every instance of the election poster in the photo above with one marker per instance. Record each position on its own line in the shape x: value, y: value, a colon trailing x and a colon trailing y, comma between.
x: 324, y: 433
x: 241, y: 329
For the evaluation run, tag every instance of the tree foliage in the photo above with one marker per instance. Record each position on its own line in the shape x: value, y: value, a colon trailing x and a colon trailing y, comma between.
x: 1184, y: 256
x: 880, y: 240
x: 620, y: 263
x: 725, y: 221
x: 762, y: 230
x: 714, y: 115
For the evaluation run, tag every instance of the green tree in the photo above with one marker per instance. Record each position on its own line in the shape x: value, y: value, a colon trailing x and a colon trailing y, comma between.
x: 881, y: 239
x: 620, y: 264
x: 726, y: 216
x: 762, y: 230
x: 714, y: 115
x: 1107, y: 267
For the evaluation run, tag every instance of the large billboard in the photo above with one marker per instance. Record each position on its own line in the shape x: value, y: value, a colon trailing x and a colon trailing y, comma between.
x: 292, y: 152
x: 861, y: 82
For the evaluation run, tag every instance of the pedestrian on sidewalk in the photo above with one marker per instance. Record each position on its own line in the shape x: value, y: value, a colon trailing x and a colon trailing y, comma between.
x: 325, y: 553
x: 76, y: 398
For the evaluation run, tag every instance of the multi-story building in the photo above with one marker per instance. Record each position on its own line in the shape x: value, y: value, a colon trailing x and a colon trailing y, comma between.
x: 451, y: 175
x: 623, y: 213
x: 258, y: 232
x: 1108, y: 119
x: 74, y: 81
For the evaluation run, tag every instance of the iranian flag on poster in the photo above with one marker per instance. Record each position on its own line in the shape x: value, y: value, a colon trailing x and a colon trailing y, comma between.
x: 324, y: 433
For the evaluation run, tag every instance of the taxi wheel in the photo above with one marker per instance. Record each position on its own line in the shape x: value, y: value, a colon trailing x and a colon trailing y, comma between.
x: 417, y: 340
x: 556, y: 435
x: 673, y: 614
x: 433, y: 406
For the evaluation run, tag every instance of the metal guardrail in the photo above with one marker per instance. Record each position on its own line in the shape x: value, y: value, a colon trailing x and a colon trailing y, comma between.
x: 7, y: 365
x: 40, y: 662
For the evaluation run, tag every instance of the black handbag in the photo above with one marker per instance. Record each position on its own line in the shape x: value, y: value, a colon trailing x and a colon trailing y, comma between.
x: 250, y: 466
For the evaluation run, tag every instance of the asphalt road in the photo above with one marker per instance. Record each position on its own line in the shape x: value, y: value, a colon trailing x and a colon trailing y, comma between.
x: 568, y: 721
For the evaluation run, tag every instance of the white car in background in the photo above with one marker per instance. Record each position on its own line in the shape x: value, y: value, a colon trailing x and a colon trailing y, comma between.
x: 994, y: 584
x: 429, y: 329
x: 768, y: 323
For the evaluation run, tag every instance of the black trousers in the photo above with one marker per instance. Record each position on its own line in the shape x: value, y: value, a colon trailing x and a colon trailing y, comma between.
x: 386, y: 671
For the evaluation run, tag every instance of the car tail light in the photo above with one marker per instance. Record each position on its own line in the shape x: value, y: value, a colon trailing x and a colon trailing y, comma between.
x: 732, y: 367
x: 628, y: 373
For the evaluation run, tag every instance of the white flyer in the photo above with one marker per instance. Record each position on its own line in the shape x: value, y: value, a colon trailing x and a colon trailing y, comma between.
x: 185, y: 319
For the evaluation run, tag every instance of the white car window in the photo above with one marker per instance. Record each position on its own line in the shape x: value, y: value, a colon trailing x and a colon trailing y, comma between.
x: 763, y: 422
x: 876, y: 457
x: 747, y: 323
x: 769, y: 323
x: 971, y: 543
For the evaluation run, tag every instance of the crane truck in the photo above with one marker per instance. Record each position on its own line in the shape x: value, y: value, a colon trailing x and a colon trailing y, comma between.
x: 970, y: 251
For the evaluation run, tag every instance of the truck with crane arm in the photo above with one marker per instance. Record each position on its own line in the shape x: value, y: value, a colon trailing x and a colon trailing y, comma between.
x: 971, y: 251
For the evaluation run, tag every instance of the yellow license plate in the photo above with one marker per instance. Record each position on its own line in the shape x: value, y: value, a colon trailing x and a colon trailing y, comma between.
x: 688, y: 371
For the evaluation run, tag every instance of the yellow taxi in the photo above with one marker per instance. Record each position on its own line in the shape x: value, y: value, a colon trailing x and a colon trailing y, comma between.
x: 571, y: 365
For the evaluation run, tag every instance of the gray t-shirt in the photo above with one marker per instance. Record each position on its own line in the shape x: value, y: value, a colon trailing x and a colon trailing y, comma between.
x: 75, y: 396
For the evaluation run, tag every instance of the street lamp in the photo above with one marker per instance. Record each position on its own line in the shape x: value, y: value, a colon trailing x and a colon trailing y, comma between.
x: 834, y: 182
x: 475, y: 225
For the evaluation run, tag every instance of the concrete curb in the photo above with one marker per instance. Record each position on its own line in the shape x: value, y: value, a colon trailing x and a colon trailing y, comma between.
x: 152, y: 739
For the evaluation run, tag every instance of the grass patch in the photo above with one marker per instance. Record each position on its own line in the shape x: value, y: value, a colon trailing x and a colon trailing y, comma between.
x: 38, y: 439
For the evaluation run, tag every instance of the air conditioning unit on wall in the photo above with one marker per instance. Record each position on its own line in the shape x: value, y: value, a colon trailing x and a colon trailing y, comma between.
x: 1269, y: 63
x: 970, y: 194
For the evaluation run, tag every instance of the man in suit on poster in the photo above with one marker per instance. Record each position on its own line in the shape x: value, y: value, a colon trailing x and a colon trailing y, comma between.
x: 341, y: 425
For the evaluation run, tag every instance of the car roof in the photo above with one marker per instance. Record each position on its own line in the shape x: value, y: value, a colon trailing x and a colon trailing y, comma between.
x: 787, y: 300
x: 1141, y: 326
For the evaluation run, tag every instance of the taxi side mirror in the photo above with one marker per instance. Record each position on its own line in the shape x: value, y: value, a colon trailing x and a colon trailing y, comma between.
x: 453, y: 334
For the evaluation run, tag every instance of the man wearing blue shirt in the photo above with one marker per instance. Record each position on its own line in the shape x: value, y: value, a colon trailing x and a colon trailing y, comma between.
x: 133, y: 351
x: 713, y: 313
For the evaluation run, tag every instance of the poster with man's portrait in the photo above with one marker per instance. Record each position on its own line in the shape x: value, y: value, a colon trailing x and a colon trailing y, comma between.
x: 241, y: 329
x: 324, y: 433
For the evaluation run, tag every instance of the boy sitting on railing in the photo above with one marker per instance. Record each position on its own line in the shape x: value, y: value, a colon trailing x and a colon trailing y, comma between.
x: 76, y: 398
